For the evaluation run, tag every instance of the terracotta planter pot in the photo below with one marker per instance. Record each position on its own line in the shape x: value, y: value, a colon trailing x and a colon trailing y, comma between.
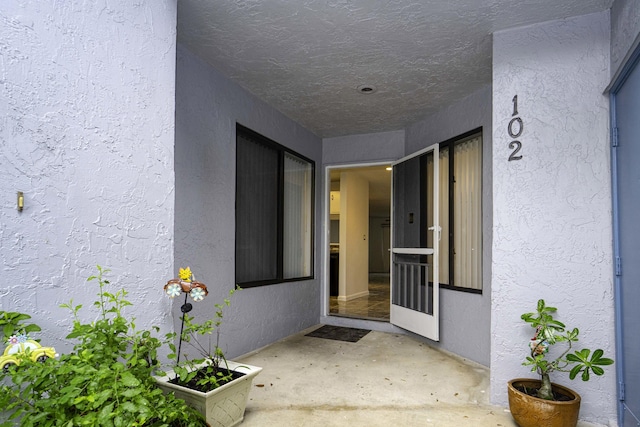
x: 222, y: 407
x: 530, y: 411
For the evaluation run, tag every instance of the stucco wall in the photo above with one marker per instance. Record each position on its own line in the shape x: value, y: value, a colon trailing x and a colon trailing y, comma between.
x: 625, y: 30
x: 207, y: 109
x: 86, y: 132
x: 552, y: 209
x: 465, y: 318
x: 370, y: 147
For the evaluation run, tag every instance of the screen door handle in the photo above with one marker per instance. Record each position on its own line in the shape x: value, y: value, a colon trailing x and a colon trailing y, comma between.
x: 439, y: 231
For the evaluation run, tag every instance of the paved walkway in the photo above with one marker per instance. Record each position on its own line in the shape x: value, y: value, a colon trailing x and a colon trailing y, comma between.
x: 382, y: 380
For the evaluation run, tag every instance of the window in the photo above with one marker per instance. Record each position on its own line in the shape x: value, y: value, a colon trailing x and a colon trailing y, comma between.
x: 461, y: 213
x: 274, y: 212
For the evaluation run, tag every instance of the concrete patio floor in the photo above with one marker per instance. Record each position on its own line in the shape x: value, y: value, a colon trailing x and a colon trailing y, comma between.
x: 382, y: 380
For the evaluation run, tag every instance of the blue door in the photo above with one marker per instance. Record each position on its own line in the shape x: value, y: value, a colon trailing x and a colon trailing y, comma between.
x: 626, y: 189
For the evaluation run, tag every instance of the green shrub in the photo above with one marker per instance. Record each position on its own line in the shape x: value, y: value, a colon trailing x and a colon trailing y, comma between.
x: 106, y: 381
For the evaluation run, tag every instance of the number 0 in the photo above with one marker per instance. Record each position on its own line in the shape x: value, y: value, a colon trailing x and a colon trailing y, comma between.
x: 513, y: 134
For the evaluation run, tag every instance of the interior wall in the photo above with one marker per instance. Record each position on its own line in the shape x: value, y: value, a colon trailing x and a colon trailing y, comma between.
x: 354, y: 237
x: 465, y: 318
x: 552, y: 208
x: 379, y: 245
x: 87, y: 127
x: 335, y: 231
x: 207, y: 109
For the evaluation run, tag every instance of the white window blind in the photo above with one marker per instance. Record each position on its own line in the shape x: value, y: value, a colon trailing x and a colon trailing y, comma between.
x: 467, y: 221
x: 297, y: 217
x: 461, y: 223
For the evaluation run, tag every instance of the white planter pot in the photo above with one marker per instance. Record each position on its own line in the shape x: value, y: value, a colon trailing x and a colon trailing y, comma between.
x: 222, y: 407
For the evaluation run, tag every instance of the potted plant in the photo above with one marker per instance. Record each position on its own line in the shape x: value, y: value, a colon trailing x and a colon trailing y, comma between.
x: 217, y: 388
x: 105, y: 381
x: 541, y: 403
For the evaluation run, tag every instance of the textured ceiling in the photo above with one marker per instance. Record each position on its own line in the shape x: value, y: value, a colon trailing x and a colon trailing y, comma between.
x: 308, y: 57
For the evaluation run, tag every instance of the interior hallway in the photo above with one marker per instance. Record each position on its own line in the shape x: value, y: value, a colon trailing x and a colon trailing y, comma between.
x: 381, y: 380
x: 375, y: 306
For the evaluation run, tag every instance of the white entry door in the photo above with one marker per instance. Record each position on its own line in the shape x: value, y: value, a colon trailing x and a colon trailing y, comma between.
x: 415, y: 234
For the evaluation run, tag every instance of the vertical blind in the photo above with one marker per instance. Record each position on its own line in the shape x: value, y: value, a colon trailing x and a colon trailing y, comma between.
x: 467, y: 221
x: 461, y: 233
x: 274, y: 212
x: 256, y: 211
x: 297, y: 217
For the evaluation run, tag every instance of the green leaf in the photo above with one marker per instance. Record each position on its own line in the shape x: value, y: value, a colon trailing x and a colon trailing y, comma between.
x: 129, y: 380
x: 575, y: 371
x: 573, y: 358
x: 555, y: 324
x: 129, y: 406
x: 118, y: 366
x: 604, y: 361
x: 583, y: 355
x: 130, y: 392
x: 8, y: 330
x: 104, y: 415
x: 597, y: 358
x: 573, y: 335
x: 32, y: 328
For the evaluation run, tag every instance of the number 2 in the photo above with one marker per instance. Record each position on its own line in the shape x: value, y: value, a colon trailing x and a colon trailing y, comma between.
x: 515, y: 146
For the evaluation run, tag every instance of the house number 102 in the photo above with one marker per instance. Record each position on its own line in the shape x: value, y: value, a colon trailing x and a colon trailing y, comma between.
x: 515, y: 129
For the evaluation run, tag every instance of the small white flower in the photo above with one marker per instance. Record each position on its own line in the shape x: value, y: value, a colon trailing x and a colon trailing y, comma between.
x: 173, y: 290
x: 197, y: 294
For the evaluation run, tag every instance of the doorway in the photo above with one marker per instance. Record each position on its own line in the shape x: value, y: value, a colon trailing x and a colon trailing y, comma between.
x: 359, y: 241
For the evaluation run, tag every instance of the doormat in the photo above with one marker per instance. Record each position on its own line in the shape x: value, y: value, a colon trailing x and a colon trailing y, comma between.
x: 339, y: 333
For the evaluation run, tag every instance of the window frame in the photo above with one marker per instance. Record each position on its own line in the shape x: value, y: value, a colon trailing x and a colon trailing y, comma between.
x: 449, y: 145
x: 281, y: 150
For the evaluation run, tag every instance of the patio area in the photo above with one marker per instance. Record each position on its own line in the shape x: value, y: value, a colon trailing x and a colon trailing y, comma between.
x: 381, y: 380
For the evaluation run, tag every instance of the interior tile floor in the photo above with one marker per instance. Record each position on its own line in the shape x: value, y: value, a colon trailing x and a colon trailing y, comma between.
x: 382, y: 380
x: 375, y: 306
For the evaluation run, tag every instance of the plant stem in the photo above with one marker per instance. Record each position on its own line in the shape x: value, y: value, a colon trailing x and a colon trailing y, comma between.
x: 180, y: 336
x: 545, y: 391
x: 101, y: 284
